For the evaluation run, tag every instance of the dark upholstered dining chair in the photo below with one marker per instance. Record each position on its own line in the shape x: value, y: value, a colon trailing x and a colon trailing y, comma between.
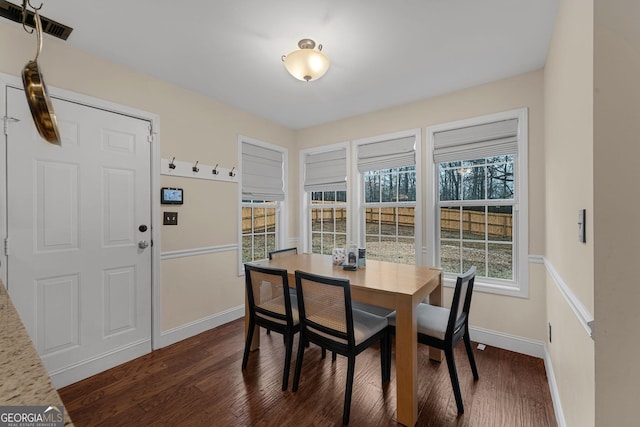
x: 328, y: 320
x: 443, y: 328
x: 271, y: 306
x: 283, y: 252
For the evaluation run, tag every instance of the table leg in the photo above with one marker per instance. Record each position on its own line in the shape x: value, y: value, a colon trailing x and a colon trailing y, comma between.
x: 435, y: 298
x: 406, y: 361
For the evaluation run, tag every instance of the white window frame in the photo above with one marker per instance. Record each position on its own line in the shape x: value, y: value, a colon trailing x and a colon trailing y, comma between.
x: 305, y: 205
x: 518, y: 287
x: 281, y: 207
x: 358, y: 200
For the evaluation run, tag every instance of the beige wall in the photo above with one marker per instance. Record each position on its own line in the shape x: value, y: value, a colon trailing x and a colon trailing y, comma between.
x: 197, y: 128
x: 568, y: 166
x: 617, y: 178
x: 192, y: 127
x: 489, y: 310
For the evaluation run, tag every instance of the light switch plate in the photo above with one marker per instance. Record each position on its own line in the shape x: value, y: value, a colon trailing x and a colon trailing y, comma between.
x: 170, y: 218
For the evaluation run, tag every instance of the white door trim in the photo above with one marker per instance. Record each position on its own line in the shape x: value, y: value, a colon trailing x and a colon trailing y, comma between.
x: 156, y: 219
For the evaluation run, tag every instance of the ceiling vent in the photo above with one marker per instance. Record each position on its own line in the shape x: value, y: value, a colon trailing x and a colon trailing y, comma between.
x: 49, y: 26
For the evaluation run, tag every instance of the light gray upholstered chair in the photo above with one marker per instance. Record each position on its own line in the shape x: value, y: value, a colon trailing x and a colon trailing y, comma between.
x: 443, y: 328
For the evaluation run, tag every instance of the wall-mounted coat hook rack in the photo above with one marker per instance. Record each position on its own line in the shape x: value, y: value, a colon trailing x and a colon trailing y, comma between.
x: 197, y: 170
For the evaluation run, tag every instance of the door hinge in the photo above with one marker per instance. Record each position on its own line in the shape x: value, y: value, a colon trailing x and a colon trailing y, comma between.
x: 6, y: 246
x: 150, y: 137
x: 8, y: 120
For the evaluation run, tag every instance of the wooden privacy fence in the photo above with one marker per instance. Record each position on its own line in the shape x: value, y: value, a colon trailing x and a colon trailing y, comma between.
x: 260, y: 222
x: 328, y: 214
x: 406, y: 216
x: 499, y: 224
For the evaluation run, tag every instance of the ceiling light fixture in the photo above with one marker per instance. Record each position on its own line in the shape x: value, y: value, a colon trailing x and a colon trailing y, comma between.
x: 306, y: 63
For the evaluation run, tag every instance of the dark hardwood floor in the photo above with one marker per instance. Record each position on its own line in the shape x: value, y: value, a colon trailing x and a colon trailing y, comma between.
x: 199, y: 382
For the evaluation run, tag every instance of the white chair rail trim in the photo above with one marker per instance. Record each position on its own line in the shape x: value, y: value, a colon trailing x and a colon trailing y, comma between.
x: 198, y: 251
x: 582, y: 313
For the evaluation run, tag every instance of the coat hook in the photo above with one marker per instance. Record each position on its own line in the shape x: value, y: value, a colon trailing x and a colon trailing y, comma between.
x: 231, y: 172
x: 34, y: 8
x: 172, y: 165
x: 215, y: 170
x: 195, y: 167
x: 24, y: 17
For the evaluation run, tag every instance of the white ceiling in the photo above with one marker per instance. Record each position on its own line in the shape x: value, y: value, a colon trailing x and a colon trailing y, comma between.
x: 383, y: 52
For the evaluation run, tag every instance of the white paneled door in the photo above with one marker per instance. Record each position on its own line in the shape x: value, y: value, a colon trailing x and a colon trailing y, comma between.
x: 79, y: 227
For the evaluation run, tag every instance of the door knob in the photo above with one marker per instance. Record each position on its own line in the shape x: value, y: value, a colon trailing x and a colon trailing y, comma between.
x: 143, y: 244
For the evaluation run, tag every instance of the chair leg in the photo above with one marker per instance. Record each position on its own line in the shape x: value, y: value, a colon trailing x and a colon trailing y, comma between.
x: 324, y: 352
x: 268, y: 331
x: 296, y: 374
x: 351, y: 367
x: 453, y: 374
x: 388, y: 356
x: 287, y: 360
x: 472, y: 360
x: 247, y: 345
x: 384, y: 358
x: 334, y: 356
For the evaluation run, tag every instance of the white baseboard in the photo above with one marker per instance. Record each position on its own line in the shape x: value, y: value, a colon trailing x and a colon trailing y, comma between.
x: 508, y: 342
x: 553, y: 388
x: 74, y: 373
x: 188, y: 330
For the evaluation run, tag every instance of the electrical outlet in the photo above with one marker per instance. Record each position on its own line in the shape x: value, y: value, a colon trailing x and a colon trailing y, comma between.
x: 549, y: 331
x: 170, y: 218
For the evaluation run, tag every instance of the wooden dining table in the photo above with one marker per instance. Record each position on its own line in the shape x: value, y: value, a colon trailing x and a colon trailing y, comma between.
x: 396, y: 286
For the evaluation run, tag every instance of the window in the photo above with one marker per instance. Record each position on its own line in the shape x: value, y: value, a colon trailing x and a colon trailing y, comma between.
x: 476, y: 216
x: 325, y: 198
x: 259, y: 219
x: 328, y: 211
x: 388, y: 197
x: 480, y: 200
x: 262, y: 226
x: 389, y: 214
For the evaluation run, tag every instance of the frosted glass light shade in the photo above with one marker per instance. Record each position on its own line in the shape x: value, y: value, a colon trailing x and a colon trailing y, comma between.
x: 306, y: 63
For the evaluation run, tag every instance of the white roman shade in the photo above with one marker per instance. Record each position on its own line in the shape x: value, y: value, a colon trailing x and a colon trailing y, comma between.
x: 262, y: 176
x: 476, y: 142
x: 326, y: 171
x: 392, y: 153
